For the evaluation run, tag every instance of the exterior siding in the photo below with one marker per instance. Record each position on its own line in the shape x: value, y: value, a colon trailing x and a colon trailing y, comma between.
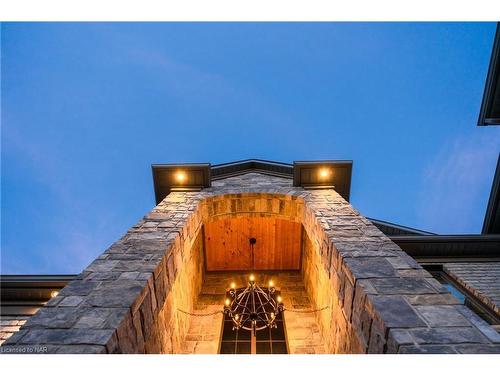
x: 482, y: 279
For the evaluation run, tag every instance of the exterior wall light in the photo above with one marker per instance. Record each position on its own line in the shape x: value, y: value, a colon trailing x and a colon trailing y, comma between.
x: 180, y: 177
x: 54, y: 293
x: 324, y: 174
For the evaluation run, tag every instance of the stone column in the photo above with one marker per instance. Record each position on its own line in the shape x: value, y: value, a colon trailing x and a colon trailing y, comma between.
x: 382, y: 301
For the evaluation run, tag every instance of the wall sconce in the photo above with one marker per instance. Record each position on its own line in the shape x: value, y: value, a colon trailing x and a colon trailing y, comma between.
x: 324, y: 174
x: 179, y: 177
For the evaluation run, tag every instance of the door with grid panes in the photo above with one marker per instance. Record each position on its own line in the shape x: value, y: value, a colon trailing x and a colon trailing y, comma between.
x: 268, y: 340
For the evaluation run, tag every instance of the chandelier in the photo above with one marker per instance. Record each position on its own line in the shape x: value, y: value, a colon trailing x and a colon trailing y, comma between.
x: 253, y: 308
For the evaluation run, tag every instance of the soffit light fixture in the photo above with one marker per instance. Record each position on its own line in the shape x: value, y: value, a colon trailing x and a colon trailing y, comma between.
x: 324, y: 174
x: 179, y: 177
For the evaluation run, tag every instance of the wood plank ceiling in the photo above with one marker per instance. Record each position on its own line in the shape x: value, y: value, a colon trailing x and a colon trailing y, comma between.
x: 227, y: 244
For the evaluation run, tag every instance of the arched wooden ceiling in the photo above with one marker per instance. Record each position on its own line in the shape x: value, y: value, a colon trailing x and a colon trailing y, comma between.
x: 227, y: 244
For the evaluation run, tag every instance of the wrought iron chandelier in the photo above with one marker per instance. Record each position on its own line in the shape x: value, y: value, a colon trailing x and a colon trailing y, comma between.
x: 253, y: 308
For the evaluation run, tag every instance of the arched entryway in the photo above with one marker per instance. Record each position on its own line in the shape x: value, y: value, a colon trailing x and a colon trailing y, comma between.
x: 282, y: 225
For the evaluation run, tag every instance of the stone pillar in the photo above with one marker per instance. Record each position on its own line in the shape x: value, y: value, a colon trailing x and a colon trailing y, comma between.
x: 381, y: 300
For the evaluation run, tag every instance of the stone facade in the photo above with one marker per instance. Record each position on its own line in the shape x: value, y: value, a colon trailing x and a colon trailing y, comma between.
x: 9, y: 325
x: 379, y: 299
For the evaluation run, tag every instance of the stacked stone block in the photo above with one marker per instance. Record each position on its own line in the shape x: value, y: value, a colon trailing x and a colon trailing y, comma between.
x: 10, y: 325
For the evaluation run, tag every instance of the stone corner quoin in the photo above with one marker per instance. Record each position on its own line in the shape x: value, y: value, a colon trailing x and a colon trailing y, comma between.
x: 380, y: 299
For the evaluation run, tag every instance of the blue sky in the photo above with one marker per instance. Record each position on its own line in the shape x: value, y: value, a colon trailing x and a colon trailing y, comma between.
x: 88, y: 107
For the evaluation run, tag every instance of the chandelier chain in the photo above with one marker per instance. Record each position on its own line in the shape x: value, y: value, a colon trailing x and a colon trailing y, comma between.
x: 307, y: 311
x: 221, y: 312
x: 200, y: 314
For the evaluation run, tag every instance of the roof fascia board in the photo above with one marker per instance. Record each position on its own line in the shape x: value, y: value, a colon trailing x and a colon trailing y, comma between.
x: 493, y: 203
x: 450, y: 246
x: 401, y: 227
x: 490, y: 84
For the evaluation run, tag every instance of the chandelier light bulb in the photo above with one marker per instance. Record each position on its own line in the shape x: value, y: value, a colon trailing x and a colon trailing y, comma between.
x: 253, y: 308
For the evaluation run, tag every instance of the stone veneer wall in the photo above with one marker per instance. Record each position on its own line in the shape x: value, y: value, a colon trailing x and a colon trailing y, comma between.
x: 334, y: 322
x: 389, y: 302
x: 166, y: 332
x: 10, y: 324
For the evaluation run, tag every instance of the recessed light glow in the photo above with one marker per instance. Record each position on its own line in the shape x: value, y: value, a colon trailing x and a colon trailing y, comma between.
x: 324, y: 172
x: 180, y: 177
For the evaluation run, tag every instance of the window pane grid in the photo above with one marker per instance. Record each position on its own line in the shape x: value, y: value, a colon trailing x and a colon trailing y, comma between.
x: 268, y: 341
x: 462, y: 296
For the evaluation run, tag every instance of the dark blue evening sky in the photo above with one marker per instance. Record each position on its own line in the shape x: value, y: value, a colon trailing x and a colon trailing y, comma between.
x: 88, y: 107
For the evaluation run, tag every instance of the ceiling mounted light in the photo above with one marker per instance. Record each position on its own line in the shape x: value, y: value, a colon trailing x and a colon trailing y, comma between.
x: 324, y: 173
x: 180, y: 177
x: 253, y: 308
